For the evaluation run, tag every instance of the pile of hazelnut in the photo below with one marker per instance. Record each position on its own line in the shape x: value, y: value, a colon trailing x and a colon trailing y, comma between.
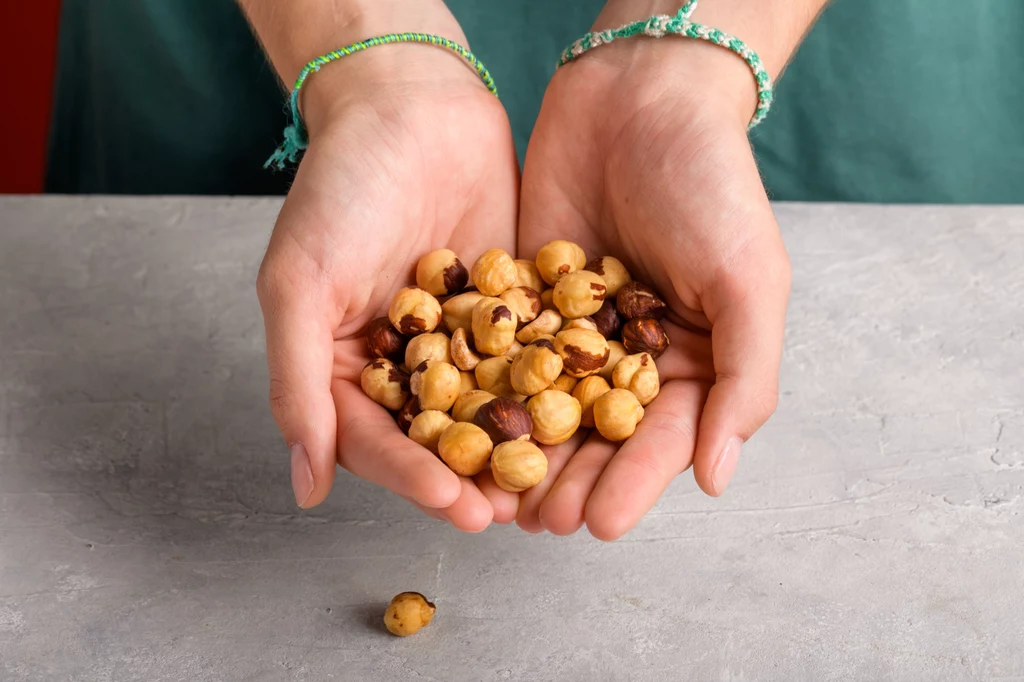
x: 532, y: 349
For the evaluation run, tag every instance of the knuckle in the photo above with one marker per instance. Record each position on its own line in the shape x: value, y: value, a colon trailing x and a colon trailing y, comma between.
x: 280, y: 397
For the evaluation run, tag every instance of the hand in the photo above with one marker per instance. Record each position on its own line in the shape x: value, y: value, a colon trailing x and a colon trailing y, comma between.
x: 641, y: 152
x: 409, y: 152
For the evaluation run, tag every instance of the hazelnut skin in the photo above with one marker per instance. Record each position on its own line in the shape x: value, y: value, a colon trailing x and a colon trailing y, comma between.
x: 584, y: 352
x: 638, y: 374
x: 457, y: 311
x: 587, y: 392
x: 408, y: 613
x: 465, y: 448
x: 413, y: 311
x: 607, y: 320
x: 436, y: 384
x: 556, y: 416
x: 529, y: 275
x: 616, y: 414
x: 548, y: 322
x: 612, y: 271
x: 494, y: 376
x: 616, y: 351
x: 494, y: 272
x: 518, y: 466
x: 427, y: 427
x: 524, y: 302
x: 559, y: 258
x: 441, y: 273
x: 463, y: 351
x: 383, y: 341
x: 503, y: 419
x: 494, y: 327
x: 579, y: 294
x: 467, y: 405
x: 564, y: 383
x: 408, y: 413
x: 535, y: 368
x: 385, y: 384
x: 639, y: 300
x: 427, y: 347
x: 645, y: 335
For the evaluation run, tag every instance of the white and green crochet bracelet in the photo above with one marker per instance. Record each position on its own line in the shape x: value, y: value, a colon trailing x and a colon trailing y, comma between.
x: 661, y: 25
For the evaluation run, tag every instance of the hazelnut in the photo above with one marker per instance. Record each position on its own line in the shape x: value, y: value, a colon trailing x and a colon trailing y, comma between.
x: 436, y: 384
x: 503, y: 419
x: 515, y: 349
x: 408, y: 413
x: 463, y: 351
x: 580, y: 323
x: 616, y: 351
x: 645, y: 335
x: 494, y: 272
x: 494, y: 326
x: 607, y: 320
x: 413, y: 311
x: 385, y: 384
x: 427, y: 347
x: 588, y: 391
x: 468, y: 382
x: 407, y: 613
x: 548, y: 322
x: 518, y: 465
x: 639, y: 300
x: 457, y: 311
x: 612, y: 271
x: 547, y: 300
x: 494, y: 376
x: 524, y: 302
x: 383, y: 341
x: 584, y: 352
x: 559, y: 258
x: 529, y: 275
x: 579, y: 294
x: 467, y: 404
x: 639, y: 374
x: 616, y: 414
x: 556, y: 416
x: 465, y: 448
x: 564, y: 383
x: 535, y: 368
x: 426, y: 428
x: 441, y: 273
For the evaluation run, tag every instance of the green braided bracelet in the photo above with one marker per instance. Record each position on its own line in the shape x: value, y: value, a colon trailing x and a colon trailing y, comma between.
x: 295, y: 137
x: 661, y: 25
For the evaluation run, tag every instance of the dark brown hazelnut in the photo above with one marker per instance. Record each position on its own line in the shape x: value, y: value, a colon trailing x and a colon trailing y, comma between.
x: 384, y: 341
x: 645, y: 335
x: 608, y: 320
x: 408, y: 413
x: 503, y: 419
x: 639, y: 300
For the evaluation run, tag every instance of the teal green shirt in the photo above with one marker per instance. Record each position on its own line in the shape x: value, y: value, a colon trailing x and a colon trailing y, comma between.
x: 911, y: 101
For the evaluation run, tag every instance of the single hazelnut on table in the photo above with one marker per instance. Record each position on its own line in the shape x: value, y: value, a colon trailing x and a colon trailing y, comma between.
x: 494, y: 272
x: 384, y: 341
x: 518, y: 465
x: 463, y: 351
x: 467, y: 404
x: 535, y: 368
x: 645, y: 335
x: 547, y: 323
x: 468, y: 382
x: 616, y: 414
x: 581, y: 323
x: 612, y: 271
x: 408, y: 613
x: 503, y: 419
x: 524, y: 302
x: 465, y: 448
x: 584, y: 352
x: 529, y: 275
x: 616, y: 351
x: 494, y: 375
x: 607, y: 320
x: 564, y: 383
x: 457, y: 311
x: 579, y: 294
x: 385, y: 384
x: 424, y: 347
x: 638, y: 374
x: 436, y: 384
x: 427, y: 427
x: 556, y: 416
x: 515, y: 349
x: 408, y: 413
x: 587, y: 392
x: 639, y: 300
x: 441, y: 273
x: 413, y: 311
x: 494, y: 327
x: 559, y: 258
x: 547, y: 300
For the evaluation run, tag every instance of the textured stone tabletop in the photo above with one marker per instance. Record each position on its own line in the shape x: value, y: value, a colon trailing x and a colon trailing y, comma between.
x: 874, y: 531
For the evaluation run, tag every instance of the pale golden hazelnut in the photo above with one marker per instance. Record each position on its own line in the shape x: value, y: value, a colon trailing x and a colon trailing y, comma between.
x: 413, y: 311
x: 588, y: 391
x: 558, y: 258
x: 494, y: 376
x: 494, y: 272
x: 616, y: 351
x: 584, y: 352
x: 494, y: 326
x: 556, y: 416
x: 565, y: 383
x: 616, y: 414
x: 468, y: 382
x: 535, y: 368
x: 579, y: 294
x: 547, y: 323
x: 645, y: 335
x: 581, y: 323
x: 436, y: 384
x: 408, y: 613
x: 385, y: 384
x: 504, y: 419
x: 547, y: 300
x: 518, y: 465
x: 457, y: 311
x: 463, y: 351
x: 467, y: 404
x: 427, y: 426
x: 528, y: 275
x: 636, y: 299
x: 465, y: 448
x: 408, y: 413
x: 427, y: 347
x: 441, y: 273
x: 639, y: 374
x: 607, y: 320
x: 515, y: 349
x: 612, y: 271
x: 524, y: 302
x: 384, y: 341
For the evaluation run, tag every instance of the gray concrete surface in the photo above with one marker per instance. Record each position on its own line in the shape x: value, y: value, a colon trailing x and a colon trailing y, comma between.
x: 875, y: 529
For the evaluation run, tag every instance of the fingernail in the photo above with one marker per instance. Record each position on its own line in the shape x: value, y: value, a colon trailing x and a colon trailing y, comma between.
x: 725, y: 465
x: 302, y: 475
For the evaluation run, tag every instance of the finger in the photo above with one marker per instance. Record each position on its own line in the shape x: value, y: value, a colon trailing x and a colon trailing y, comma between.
x: 659, y: 450
x: 528, y: 517
x: 504, y: 503
x: 371, y: 446
x: 562, y: 511
x: 429, y: 511
x: 471, y: 512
